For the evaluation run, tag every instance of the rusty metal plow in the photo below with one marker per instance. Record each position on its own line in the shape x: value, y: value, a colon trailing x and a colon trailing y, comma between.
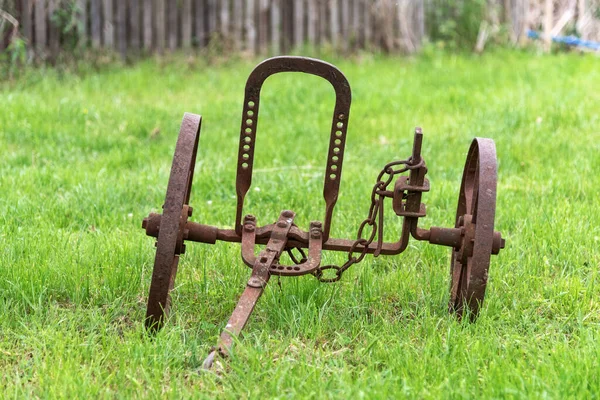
x: 472, y: 239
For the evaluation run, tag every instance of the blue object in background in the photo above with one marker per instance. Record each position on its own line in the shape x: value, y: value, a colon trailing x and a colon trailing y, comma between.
x: 568, y: 40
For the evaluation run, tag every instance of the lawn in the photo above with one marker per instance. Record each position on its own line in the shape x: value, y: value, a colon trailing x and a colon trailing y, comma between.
x: 86, y: 157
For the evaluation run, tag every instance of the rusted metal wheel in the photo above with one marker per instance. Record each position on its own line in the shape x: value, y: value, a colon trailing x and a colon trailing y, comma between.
x: 176, y: 211
x: 475, y: 217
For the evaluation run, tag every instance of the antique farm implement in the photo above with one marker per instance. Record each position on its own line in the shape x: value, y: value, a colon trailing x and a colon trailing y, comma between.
x: 472, y: 239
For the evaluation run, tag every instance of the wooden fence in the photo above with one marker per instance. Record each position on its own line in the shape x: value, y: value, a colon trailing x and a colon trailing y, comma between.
x: 275, y: 26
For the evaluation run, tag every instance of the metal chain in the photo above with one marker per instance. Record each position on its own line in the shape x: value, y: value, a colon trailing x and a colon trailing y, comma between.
x: 373, y: 220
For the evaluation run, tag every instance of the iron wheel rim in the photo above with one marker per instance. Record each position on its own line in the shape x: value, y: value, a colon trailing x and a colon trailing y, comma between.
x: 170, y: 236
x: 477, y: 203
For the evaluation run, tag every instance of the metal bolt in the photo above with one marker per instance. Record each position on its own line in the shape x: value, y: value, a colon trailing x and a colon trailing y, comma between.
x: 315, y: 233
x: 287, y: 213
x: 249, y: 228
x: 255, y: 282
x: 282, y: 224
x: 250, y: 217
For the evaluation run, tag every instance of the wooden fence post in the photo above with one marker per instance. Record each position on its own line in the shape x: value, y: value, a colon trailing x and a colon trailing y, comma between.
x: 334, y: 23
x: 147, y: 23
x: 26, y: 7
x: 250, y: 29
x: 312, y: 23
x: 159, y: 20
x: 237, y: 23
x: 121, y: 20
x: 172, y: 24
x: 548, y: 21
x: 200, y: 25
x: 275, y: 27
x: 40, y: 27
x: 263, y: 26
x: 212, y: 19
x: 134, y: 24
x: 224, y: 19
x: 298, y: 23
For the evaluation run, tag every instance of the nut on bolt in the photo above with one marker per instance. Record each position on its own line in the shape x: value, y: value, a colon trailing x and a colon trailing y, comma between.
x: 287, y: 213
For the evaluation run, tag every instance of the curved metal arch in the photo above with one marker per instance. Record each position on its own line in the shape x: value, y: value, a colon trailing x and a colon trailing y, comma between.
x: 339, y: 126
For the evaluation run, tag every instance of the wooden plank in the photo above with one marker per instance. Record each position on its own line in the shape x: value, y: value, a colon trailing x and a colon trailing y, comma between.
x: 250, y: 26
x: 135, y: 32
x: 263, y: 26
x: 581, y: 19
x: 420, y: 22
x: 40, y: 27
x: 173, y: 25
x: 186, y: 23
x: 237, y: 16
x: 355, y: 23
x: 200, y: 28
x: 548, y: 22
x: 367, y: 24
x: 286, y: 26
x: 53, y: 30
x: 147, y: 23
x: 212, y: 18
x: 96, y: 23
x: 299, y: 23
x: 121, y: 28
x: 26, y: 25
x: 334, y: 27
x: 224, y: 18
x: 275, y: 26
x: 159, y: 24
x: 82, y: 30
x: 312, y: 25
x: 108, y: 32
x: 345, y: 22
x: 507, y: 10
x: 323, y: 27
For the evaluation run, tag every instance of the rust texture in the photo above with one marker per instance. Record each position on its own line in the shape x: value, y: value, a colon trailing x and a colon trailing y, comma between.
x: 402, y: 182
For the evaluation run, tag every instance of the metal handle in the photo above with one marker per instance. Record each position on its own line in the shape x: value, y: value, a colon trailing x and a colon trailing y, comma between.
x: 337, y: 139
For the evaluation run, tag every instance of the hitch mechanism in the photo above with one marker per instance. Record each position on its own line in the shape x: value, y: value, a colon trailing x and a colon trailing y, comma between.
x: 472, y: 239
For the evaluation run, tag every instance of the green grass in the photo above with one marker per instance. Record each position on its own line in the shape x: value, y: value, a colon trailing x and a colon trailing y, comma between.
x: 85, y: 158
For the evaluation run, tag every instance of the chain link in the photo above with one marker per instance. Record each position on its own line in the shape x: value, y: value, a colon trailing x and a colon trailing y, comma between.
x: 360, y: 247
